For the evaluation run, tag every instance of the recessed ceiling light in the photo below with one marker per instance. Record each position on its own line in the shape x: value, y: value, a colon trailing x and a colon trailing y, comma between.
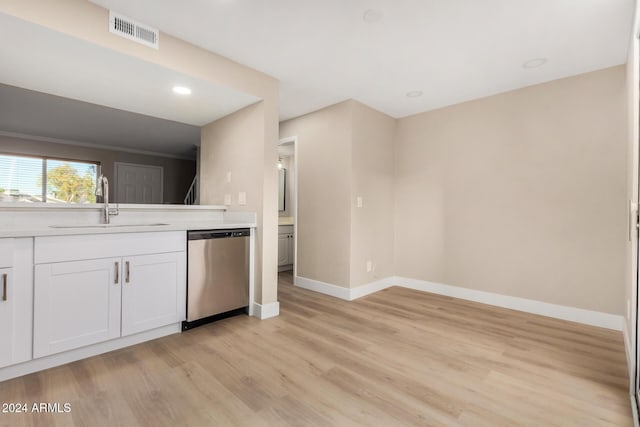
x: 371, y: 16
x: 414, y: 93
x: 534, y: 63
x: 182, y: 90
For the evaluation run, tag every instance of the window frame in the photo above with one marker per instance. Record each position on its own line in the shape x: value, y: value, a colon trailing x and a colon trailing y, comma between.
x: 44, y: 159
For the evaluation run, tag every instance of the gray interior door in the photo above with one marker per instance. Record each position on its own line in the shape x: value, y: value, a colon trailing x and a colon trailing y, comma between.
x: 138, y: 183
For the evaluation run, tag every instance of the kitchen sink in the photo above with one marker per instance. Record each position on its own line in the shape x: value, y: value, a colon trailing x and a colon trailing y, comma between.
x: 109, y: 225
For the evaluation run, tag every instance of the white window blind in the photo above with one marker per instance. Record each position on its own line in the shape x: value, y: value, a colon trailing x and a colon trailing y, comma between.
x: 42, y: 179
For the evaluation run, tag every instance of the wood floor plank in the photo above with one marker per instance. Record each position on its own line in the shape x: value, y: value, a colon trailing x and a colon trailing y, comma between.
x: 396, y: 357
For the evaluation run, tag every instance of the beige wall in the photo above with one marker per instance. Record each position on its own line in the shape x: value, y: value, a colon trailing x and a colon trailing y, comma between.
x: 372, y: 173
x: 521, y: 194
x: 82, y: 19
x: 178, y: 173
x: 324, y: 181
x: 344, y: 151
x: 227, y: 146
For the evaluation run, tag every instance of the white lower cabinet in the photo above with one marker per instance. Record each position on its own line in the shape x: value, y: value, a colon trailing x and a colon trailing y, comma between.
x: 286, y: 247
x: 283, y: 249
x: 153, y: 291
x: 83, y: 302
x: 16, y: 300
x: 76, y: 303
x: 7, y: 308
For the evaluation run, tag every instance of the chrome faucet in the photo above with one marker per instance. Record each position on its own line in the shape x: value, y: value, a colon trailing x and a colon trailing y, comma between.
x: 102, y: 189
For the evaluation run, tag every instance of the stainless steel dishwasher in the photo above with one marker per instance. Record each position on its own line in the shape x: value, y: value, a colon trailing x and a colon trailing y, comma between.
x: 217, y: 275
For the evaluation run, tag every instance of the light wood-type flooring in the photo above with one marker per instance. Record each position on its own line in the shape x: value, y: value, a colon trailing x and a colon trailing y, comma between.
x: 395, y: 358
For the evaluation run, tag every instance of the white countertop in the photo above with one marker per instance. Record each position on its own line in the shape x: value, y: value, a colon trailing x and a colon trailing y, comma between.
x: 31, y: 220
x: 176, y: 226
x: 285, y: 220
x: 23, y: 206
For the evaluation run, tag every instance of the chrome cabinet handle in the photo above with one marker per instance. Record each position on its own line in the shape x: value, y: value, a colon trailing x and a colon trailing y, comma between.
x: 126, y: 271
x: 4, y: 286
x: 117, y: 268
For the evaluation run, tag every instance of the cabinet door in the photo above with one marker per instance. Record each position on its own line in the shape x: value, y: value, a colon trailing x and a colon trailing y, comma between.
x: 283, y: 249
x: 153, y: 291
x: 292, y: 249
x: 16, y: 303
x: 76, y: 304
x: 7, y: 308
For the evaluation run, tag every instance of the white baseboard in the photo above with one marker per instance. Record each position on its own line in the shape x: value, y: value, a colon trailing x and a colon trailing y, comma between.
x: 370, y: 288
x: 84, y: 352
x: 579, y: 315
x: 348, y: 294
x: 266, y: 311
x: 588, y: 317
x: 322, y: 287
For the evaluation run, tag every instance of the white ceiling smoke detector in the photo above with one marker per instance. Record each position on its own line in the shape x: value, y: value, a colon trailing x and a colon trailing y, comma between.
x: 534, y: 63
x: 370, y: 16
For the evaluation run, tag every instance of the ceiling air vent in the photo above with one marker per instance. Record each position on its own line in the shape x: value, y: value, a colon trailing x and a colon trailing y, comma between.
x: 133, y: 30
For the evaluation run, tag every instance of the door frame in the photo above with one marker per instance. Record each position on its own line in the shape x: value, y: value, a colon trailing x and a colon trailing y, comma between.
x: 633, y: 305
x: 294, y: 140
x: 115, y: 177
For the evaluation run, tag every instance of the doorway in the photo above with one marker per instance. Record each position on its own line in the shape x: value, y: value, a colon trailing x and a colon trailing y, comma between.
x: 287, y: 204
x: 138, y: 183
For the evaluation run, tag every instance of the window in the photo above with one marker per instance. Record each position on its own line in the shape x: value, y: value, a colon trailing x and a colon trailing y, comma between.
x: 43, y: 179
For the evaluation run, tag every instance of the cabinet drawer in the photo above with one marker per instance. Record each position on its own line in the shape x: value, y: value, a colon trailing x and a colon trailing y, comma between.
x: 285, y: 229
x: 93, y: 246
x: 6, y: 252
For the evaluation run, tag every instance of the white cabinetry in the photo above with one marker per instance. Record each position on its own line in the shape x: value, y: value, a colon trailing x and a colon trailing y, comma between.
x: 76, y: 303
x: 153, y: 291
x: 286, y: 247
x: 93, y: 288
x: 16, y: 299
x: 7, y: 310
x: 283, y: 249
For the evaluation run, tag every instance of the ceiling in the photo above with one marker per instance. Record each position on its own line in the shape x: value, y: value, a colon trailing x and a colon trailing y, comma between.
x: 36, y: 114
x: 452, y: 51
x: 143, y: 114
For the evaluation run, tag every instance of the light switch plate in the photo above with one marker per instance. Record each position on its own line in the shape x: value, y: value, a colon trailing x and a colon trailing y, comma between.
x: 359, y: 201
x: 242, y: 198
x: 228, y: 176
x: 369, y: 266
x: 227, y: 199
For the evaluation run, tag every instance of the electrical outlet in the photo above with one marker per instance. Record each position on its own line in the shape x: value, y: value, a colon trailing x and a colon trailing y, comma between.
x: 359, y: 201
x: 228, y: 176
x: 227, y: 199
x: 369, y: 266
x: 242, y: 198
